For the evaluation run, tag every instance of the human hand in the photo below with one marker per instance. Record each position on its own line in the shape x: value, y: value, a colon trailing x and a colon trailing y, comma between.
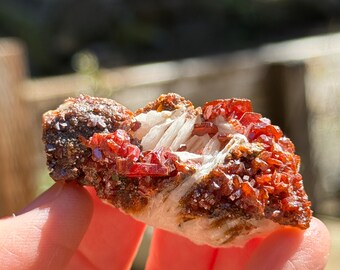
x: 68, y: 227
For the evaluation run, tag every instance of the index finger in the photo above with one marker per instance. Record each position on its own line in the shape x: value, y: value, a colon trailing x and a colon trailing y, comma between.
x: 111, y: 240
x: 47, y: 232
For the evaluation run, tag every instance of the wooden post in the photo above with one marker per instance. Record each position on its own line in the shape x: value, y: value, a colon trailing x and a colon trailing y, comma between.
x: 285, y: 92
x: 16, y: 146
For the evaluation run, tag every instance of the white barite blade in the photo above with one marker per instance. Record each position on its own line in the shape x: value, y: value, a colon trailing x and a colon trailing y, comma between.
x: 211, y: 162
x: 196, y: 143
x: 171, y: 133
x: 184, y: 133
x: 212, y: 147
x: 150, y: 140
x: 185, y: 156
x: 223, y: 126
x: 149, y: 120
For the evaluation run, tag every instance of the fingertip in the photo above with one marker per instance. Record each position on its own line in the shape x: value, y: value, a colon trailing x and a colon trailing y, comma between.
x: 75, y: 198
x: 48, y: 231
x: 318, y: 232
x: 314, y: 249
x: 292, y: 248
x: 47, y: 196
x: 69, y: 191
x: 69, y: 215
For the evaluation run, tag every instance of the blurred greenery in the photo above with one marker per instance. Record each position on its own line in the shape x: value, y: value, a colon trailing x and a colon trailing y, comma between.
x: 122, y: 32
x: 44, y: 181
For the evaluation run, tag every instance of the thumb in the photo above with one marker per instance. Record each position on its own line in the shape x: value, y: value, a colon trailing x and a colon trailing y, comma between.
x: 48, y: 231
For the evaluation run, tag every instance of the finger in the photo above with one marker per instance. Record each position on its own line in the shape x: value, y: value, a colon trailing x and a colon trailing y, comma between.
x: 48, y: 196
x: 270, y: 253
x: 47, y: 236
x: 287, y: 248
x: 276, y: 249
x: 236, y: 257
x: 111, y: 241
x: 314, y: 250
x: 170, y: 251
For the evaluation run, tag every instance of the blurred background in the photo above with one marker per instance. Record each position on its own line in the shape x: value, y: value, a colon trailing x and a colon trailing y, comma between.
x: 282, y: 54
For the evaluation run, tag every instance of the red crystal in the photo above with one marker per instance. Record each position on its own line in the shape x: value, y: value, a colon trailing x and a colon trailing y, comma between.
x: 113, y: 145
x: 250, y: 118
x: 264, y: 128
x: 227, y: 108
x: 147, y: 169
x: 204, y: 128
x: 239, y: 107
x: 128, y: 158
x: 238, y: 113
x: 287, y: 144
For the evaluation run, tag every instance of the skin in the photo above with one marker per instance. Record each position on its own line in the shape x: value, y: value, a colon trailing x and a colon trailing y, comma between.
x: 68, y: 227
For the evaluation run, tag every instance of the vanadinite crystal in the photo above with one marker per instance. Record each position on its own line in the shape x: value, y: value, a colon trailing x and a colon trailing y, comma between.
x: 128, y: 160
